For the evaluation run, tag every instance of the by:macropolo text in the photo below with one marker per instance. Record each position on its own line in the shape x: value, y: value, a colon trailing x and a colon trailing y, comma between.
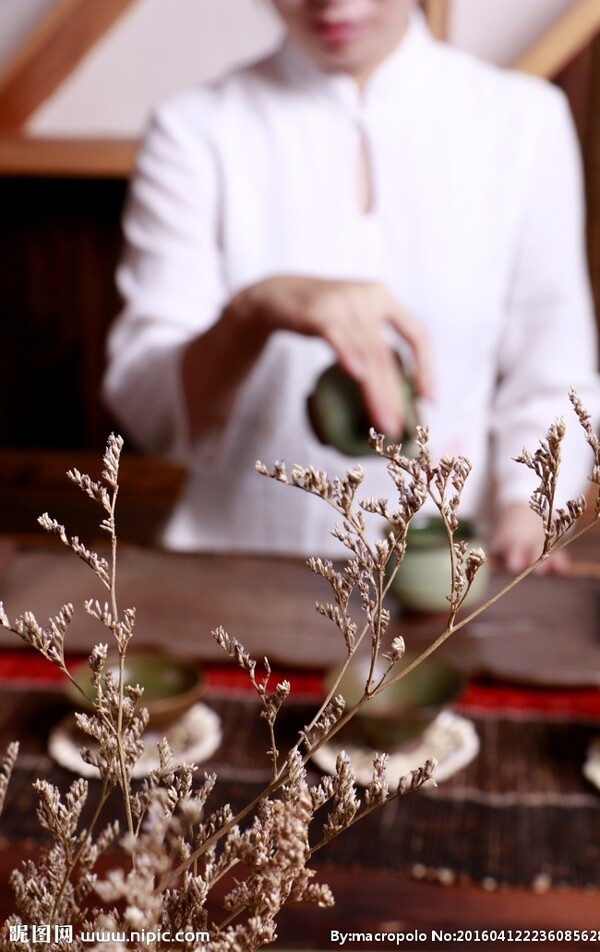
x: 395, y: 938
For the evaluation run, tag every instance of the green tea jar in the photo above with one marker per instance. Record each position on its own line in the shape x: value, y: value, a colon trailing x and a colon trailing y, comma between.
x: 338, y: 416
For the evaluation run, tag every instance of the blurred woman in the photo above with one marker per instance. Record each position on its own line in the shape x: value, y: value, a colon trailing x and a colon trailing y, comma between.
x: 364, y: 189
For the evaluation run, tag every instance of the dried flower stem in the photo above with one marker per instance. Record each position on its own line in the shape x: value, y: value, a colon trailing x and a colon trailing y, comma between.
x: 6, y: 768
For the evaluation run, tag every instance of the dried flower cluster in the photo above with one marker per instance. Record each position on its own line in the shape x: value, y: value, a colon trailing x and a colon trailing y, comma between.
x: 177, y: 844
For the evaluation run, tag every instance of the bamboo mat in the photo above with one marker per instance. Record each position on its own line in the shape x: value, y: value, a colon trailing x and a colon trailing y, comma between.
x: 521, y: 814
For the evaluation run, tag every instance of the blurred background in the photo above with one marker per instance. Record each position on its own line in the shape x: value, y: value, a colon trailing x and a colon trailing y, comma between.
x: 77, y: 81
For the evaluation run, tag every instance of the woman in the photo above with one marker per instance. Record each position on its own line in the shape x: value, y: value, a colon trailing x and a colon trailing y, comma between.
x: 363, y: 189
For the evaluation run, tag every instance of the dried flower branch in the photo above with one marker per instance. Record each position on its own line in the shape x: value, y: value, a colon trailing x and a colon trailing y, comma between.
x: 179, y: 848
x: 585, y: 421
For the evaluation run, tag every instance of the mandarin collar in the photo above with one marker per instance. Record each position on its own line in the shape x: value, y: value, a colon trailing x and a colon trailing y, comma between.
x: 342, y: 91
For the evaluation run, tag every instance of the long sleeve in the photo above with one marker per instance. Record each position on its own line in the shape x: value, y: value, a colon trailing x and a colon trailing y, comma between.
x: 170, y: 277
x: 549, y: 342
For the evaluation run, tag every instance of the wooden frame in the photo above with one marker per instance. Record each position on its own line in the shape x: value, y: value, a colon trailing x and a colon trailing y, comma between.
x: 563, y: 40
x: 48, y: 55
x: 437, y: 13
x: 43, y: 156
x: 50, y: 52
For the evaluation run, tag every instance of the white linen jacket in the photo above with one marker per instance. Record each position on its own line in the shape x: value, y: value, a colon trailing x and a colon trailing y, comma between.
x: 476, y: 228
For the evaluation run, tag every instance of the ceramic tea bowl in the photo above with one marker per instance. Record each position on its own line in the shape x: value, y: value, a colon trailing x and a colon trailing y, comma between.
x: 423, y: 579
x: 338, y: 417
x: 170, y: 686
x: 400, y: 714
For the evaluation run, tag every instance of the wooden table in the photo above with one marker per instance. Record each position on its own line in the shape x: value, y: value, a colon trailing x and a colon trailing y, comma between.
x: 268, y: 605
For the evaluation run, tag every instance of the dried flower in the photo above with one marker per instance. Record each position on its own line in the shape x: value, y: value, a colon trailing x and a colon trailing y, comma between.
x: 180, y: 848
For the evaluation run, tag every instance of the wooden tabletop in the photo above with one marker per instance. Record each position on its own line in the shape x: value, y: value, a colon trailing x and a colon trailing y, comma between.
x: 545, y: 632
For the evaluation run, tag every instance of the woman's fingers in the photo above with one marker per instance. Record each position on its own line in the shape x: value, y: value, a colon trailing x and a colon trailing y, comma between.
x: 518, y: 541
x: 416, y: 337
x: 383, y: 396
x: 357, y: 336
x: 352, y: 316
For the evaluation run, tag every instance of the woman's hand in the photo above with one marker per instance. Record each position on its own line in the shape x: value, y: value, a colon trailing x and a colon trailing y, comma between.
x: 351, y: 317
x: 518, y: 540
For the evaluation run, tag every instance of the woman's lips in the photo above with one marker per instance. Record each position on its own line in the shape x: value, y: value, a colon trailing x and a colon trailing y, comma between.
x: 338, y: 32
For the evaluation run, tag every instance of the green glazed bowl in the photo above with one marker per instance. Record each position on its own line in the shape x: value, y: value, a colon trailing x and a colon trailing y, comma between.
x: 170, y: 686
x: 423, y: 579
x: 401, y: 713
x: 338, y: 417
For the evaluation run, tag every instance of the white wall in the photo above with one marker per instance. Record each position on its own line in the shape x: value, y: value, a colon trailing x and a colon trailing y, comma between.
x: 16, y: 19
x: 161, y: 45
x: 155, y: 48
x: 500, y: 30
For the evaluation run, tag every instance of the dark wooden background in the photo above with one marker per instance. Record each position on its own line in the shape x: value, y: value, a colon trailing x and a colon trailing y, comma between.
x: 60, y: 240
x: 59, y: 246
